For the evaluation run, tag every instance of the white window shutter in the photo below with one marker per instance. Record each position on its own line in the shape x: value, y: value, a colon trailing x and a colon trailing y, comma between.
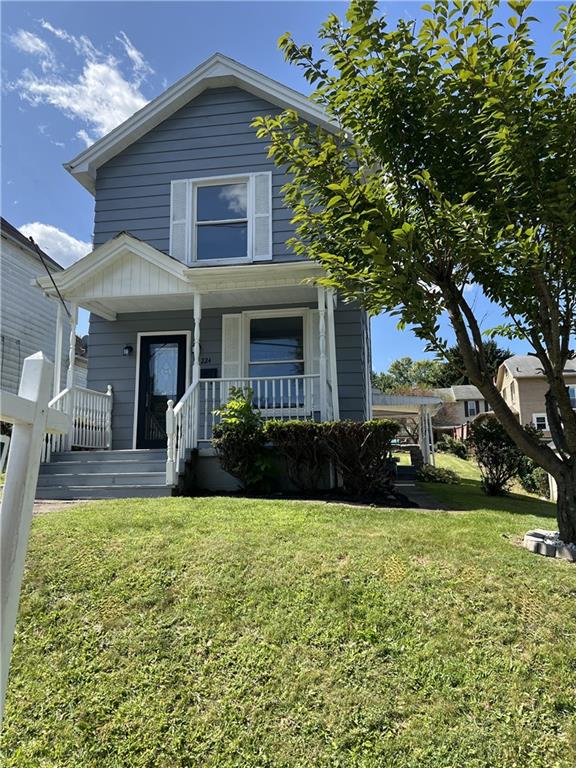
x: 231, y: 351
x: 180, y: 215
x: 262, y: 226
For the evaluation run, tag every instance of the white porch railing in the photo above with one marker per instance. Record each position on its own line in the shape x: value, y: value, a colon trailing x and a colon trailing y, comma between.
x: 181, y: 431
x: 278, y: 397
x: 89, y: 417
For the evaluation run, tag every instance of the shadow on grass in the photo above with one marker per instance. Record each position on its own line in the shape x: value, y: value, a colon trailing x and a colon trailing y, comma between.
x: 468, y: 495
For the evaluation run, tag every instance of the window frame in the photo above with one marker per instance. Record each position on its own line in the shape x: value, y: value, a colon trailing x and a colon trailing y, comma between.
x: 215, y: 181
x: 307, y: 326
x: 535, y: 417
x: 476, y: 409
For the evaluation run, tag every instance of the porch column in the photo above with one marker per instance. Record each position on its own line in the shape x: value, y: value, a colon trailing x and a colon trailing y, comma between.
x: 431, y: 435
x: 322, y: 340
x: 331, y: 302
x: 72, y: 345
x: 197, y: 318
x: 58, y: 348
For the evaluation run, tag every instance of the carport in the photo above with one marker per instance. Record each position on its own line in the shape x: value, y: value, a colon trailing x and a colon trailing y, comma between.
x: 418, y: 407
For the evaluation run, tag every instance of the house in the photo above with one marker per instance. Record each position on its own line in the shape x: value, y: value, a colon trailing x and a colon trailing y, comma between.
x: 462, y: 403
x: 29, y: 321
x: 192, y: 289
x: 522, y: 384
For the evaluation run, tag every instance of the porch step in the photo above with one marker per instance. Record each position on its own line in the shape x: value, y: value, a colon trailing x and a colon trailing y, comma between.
x: 104, y: 475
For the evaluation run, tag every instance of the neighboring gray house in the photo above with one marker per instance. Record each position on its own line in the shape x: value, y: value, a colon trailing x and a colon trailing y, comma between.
x: 462, y: 403
x: 192, y: 288
x: 28, y: 319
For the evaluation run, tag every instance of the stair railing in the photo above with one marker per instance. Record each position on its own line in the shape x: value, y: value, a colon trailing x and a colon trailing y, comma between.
x: 181, y: 431
x: 90, y: 420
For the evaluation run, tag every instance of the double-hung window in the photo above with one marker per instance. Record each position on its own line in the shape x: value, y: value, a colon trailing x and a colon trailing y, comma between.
x: 540, y: 421
x: 221, y: 221
x: 276, y: 349
x: 224, y: 219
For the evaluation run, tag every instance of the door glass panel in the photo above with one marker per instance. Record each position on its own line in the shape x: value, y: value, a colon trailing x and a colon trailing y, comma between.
x: 163, y: 365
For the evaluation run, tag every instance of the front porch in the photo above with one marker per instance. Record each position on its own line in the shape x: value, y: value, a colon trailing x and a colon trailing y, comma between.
x: 168, y: 343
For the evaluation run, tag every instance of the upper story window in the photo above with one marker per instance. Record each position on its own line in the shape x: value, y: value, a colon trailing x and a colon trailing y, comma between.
x: 471, y: 408
x: 221, y: 220
x: 540, y: 421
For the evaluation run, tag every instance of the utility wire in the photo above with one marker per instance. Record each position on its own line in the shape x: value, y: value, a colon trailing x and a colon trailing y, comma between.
x: 41, y: 255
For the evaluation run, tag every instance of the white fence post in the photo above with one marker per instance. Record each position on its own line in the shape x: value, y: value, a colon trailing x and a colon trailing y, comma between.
x: 108, y: 438
x: 30, y: 417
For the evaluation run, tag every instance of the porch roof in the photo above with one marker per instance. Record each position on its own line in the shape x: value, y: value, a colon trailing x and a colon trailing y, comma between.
x: 128, y: 275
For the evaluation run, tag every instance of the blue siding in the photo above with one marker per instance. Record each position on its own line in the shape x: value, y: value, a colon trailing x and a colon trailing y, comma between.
x: 210, y: 136
x: 107, y: 365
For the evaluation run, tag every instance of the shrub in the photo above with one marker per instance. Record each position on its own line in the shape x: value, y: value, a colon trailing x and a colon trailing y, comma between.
x: 302, y: 445
x: 450, y: 444
x: 429, y: 474
x: 533, y: 478
x: 238, y: 440
x: 361, y: 453
x: 498, y: 457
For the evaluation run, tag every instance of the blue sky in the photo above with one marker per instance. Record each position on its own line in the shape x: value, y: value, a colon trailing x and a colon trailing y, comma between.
x: 73, y: 70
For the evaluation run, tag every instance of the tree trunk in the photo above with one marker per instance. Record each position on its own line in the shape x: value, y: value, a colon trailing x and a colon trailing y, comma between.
x: 566, y: 504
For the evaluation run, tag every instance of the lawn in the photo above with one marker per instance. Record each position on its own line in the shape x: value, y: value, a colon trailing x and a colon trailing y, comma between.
x: 226, y: 632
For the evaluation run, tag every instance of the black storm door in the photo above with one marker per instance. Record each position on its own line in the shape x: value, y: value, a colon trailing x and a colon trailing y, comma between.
x: 162, y: 377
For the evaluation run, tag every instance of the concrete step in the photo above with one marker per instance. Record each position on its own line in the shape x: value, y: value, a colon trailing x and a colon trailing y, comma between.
x: 104, y: 475
x: 98, y: 467
x: 68, y: 492
x: 152, y: 454
x: 101, y: 479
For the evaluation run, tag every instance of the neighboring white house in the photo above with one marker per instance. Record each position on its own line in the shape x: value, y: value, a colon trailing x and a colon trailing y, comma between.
x: 27, y: 317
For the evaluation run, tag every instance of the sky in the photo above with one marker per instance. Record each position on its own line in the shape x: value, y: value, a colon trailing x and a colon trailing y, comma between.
x: 72, y: 71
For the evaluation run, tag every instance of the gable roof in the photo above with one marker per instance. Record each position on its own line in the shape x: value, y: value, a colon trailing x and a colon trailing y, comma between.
x: 459, y: 392
x: 528, y: 366
x: 218, y: 71
x: 10, y: 232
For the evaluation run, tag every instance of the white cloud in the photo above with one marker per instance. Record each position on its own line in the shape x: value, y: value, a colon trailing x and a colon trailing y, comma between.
x: 59, y: 245
x: 99, y: 94
x: 140, y: 66
x: 27, y: 42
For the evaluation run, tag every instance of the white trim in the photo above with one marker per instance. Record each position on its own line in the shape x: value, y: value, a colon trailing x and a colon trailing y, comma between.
x: 216, y: 72
x: 541, y: 416
x: 139, y: 336
x: 303, y: 312
x: 212, y: 181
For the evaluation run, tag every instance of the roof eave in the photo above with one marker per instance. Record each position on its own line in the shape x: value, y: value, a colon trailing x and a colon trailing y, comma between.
x: 217, y: 72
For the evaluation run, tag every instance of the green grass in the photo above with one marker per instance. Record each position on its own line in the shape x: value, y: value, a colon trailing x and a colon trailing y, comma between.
x: 468, y: 495
x: 228, y: 632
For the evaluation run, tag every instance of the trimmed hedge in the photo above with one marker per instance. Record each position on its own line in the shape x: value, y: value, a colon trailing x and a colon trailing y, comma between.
x: 360, y: 452
x: 303, y: 448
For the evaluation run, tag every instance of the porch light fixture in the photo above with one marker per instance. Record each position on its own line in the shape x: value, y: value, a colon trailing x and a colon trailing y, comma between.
x: 127, y: 351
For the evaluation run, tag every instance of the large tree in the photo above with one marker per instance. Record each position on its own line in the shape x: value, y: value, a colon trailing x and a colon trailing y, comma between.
x: 407, y: 374
x: 453, y: 160
x: 453, y: 370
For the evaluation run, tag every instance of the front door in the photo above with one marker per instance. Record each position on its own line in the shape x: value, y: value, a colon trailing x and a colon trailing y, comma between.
x: 162, y: 377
